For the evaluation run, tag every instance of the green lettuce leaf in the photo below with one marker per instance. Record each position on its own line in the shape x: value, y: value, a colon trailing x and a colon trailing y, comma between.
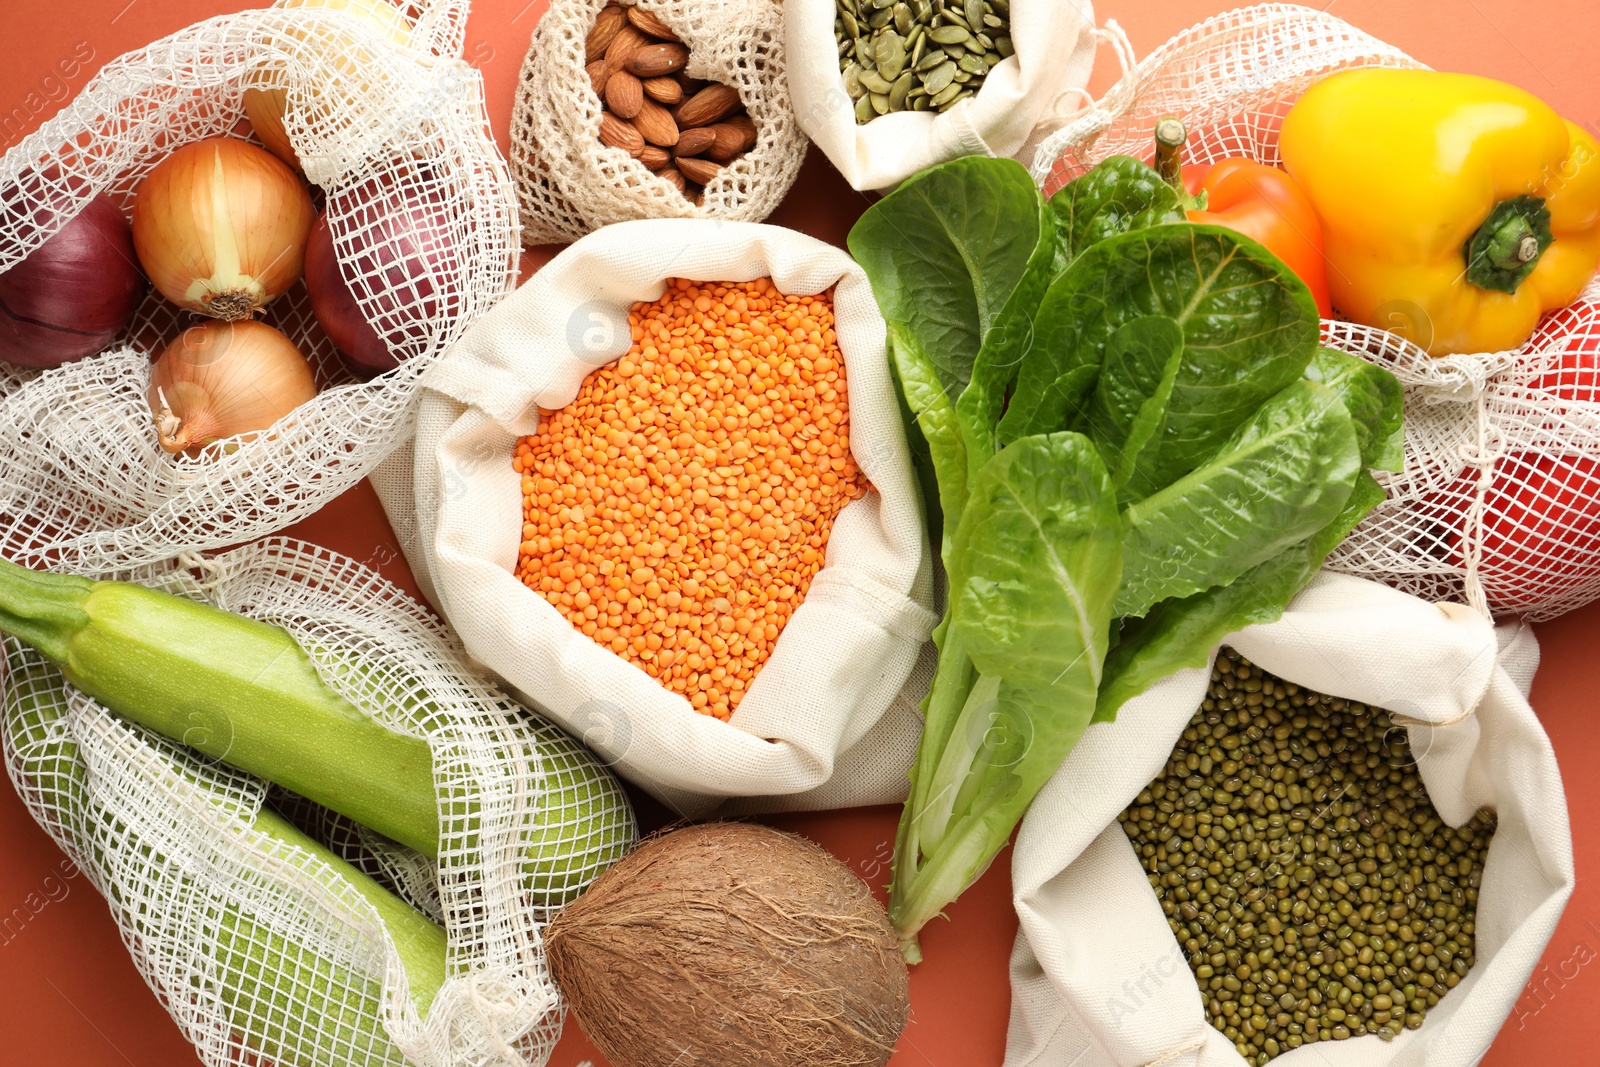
x: 1120, y: 194
x: 1249, y: 325
x: 1284, y: 474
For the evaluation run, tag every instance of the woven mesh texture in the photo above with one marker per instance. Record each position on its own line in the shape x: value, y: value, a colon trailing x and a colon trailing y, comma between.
x: 255, y: 950
x: 387, y: 131
x: 1502, y: 449
x: 569, y: 184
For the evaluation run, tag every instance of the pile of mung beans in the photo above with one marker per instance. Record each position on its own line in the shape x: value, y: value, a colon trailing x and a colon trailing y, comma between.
x: 919, y: 55
x: 1315, y: 891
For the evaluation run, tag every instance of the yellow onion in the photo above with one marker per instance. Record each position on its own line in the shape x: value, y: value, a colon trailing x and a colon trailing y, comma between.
x: 226, y: 379
x: 264, y: 95
x: 220, y: 227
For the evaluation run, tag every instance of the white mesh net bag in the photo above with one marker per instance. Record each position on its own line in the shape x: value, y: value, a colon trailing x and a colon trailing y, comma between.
x: 259, y: 949
x: 1502, y: 449
x: 388, y: 129
x: 569, y: 184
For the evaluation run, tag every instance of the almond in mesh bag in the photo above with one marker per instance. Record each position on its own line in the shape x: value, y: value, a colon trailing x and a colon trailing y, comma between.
x: 262, y: 944
x: 394, y: 134
x: 615, y: 104
x: 1495, y: 505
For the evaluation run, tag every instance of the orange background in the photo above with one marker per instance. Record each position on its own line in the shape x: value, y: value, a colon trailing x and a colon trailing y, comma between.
x: 69, y: 994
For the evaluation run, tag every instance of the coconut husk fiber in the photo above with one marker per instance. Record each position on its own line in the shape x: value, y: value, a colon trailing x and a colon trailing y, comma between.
x: 731, y: 945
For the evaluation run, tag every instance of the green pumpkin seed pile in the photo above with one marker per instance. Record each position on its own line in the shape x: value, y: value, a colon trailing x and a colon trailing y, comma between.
x: 1314, y: 889
x: 918, y: 55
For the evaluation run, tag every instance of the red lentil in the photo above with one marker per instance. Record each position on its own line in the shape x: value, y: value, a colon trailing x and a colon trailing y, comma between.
x: 677, y: 510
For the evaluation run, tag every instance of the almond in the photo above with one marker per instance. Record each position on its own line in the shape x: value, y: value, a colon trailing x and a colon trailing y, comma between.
x: 624, y: 94
x: 663, y: 90
x: 706, y: 106
x: 694, y: 142
x: 698, y: 170
x: 654, y: 158
x: 618, y: 133
x: 657, y: 60
x: 729, y: 140
x: 627, y: 41
x: 690, y: 85
x: 655, y: 123
x: 597, y: 77
x: 606, y: 24
x: 675, y: 177
x: 647, y: 22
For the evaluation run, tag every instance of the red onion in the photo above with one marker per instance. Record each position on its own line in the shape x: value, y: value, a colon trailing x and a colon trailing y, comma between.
x: 74, y: 293
x: 406, y: 250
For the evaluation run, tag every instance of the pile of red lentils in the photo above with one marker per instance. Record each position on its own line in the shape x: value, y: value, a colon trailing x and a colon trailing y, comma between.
x: 677, y: 510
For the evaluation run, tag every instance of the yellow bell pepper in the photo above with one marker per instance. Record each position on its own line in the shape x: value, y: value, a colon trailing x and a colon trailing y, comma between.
x: 1455, y: 209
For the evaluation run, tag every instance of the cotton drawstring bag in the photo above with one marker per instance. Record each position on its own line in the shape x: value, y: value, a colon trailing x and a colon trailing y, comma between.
x: 1097, y: 977
x: 831, y: 719
x: 1021, y: 98
x: 383, y: 130
x: 569, y: 184
x: 1494, y: 506
x: 260, y: 951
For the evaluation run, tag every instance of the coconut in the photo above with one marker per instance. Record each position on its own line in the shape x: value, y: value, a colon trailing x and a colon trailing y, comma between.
x: 731, y: 945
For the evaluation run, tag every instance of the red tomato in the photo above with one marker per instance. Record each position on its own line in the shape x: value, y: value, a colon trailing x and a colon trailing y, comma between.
x: 1266, y: 204
x: 1541, y: 526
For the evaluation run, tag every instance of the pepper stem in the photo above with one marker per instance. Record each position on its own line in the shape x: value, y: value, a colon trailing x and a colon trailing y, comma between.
x: 1171, y: 134
x: 1508, y: 245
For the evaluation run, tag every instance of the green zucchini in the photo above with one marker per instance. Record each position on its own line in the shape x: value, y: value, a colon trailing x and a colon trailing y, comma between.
x: 239, y: 690
x: 243, y: 692
x: 288, y: 1003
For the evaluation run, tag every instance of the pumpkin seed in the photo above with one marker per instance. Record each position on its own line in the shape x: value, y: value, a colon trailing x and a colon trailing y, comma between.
x: 902, y: 87
x: 939, y: 77
x: 891, y: 55
x: 920, y: 55
x: 852, y: 81
x: 947, y: 94
x: 972, y: 64
x: 875, y: 82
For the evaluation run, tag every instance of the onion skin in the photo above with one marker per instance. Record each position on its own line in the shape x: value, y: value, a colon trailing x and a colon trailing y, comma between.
x: 264, y: 104
x: 74, y: 293
x: 405, y: 247
x: 225, y: 379
x: 220, y: 227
